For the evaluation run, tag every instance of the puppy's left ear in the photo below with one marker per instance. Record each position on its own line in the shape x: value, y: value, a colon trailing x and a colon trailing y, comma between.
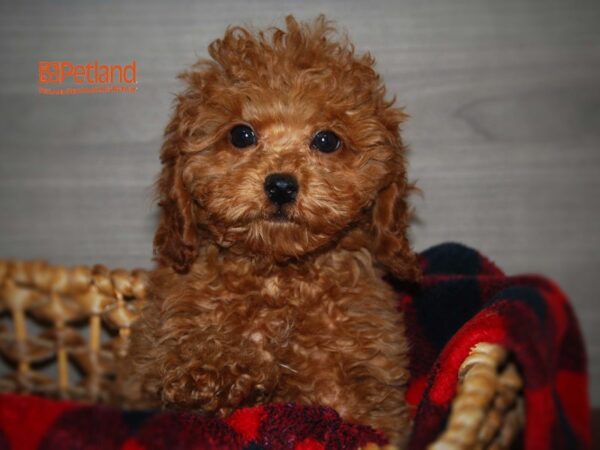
x: 390, y: 218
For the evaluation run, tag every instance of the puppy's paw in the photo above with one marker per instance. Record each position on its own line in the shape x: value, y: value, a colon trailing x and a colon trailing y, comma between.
x: 215, y: 392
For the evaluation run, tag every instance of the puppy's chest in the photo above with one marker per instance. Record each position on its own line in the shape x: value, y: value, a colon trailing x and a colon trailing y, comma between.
x: 273, y: 296
x: 279, y: 309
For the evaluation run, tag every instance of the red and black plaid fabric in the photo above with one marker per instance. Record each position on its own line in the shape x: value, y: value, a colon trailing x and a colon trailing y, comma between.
x: 464, y: 299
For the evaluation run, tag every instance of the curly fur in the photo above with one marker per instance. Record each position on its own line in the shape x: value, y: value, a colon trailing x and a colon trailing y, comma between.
x: 246, y: 309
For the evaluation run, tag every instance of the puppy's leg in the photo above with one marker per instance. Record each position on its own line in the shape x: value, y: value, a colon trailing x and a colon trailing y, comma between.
x: 200, y: 361
x: 358, y: 363
x: 370, y: 390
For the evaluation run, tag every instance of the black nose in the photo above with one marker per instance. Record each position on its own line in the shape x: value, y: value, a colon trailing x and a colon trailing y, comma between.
x: 281, y: 188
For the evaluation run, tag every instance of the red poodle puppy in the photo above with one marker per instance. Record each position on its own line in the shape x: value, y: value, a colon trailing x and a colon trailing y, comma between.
x: 283, y: 195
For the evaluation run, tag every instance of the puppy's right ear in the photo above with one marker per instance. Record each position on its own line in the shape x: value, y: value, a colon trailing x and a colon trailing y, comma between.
x: 176, y: 240
x: 193, y: 128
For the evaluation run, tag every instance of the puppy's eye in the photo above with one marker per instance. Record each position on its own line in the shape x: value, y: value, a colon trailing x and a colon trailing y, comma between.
x: 242, y: 136
x: 326, y: 141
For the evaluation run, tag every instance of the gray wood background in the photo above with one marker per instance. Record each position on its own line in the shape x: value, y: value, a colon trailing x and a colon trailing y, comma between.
x: 504, y: 98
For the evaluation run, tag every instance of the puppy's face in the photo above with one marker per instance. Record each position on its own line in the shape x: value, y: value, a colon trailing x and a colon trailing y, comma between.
x: 282, y: 143
x: 288, y: 170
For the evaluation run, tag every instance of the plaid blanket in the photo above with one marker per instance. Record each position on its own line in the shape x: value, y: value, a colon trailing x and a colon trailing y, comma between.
x: 464, y: 299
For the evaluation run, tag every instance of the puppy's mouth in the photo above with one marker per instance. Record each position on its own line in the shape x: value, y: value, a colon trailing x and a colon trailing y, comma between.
x: 279, y: 214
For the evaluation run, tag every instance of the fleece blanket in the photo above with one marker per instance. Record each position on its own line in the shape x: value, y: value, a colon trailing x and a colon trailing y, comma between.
x: 463, y: 299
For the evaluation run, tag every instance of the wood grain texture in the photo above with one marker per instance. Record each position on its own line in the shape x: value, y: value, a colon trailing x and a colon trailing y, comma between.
x: 504, y: 99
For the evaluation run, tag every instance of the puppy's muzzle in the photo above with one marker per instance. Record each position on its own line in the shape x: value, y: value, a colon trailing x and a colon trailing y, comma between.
x: 281, y: 188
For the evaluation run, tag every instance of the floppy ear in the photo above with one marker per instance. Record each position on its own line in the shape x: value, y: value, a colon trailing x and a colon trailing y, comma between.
x: 390, y: 218
x: 176, y: 240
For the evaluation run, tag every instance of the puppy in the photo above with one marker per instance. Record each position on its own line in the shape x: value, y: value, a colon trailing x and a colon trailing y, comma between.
x: 283, y: 196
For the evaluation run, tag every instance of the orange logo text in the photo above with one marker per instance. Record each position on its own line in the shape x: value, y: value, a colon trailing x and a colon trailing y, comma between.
x: 98, y: 78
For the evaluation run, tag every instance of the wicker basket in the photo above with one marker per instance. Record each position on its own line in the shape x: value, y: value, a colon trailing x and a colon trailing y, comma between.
x: 63, y: 331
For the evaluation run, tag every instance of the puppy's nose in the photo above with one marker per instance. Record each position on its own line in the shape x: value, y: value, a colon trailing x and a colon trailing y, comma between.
x: 281, y: 188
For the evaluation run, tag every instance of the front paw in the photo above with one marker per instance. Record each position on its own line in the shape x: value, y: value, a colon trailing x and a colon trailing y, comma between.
x: 213, y: 391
